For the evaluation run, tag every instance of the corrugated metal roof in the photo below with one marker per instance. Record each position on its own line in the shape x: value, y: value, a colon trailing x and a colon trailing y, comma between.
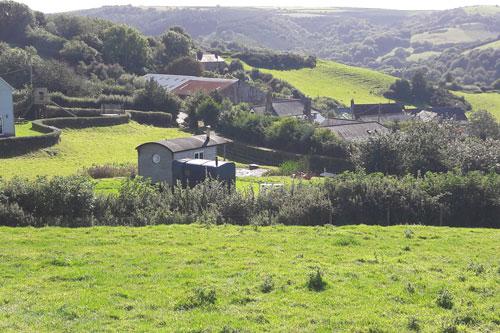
x: 193, y: 142
x: 210, y: 57
x: 285, y: 108
x: 358, y: 131
x: 191, y: 87
x: 188, y: 85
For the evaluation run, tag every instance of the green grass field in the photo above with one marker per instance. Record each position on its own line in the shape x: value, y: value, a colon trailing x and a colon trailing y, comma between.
x: 119, y: 279
x: 338, y: 81
x: 85, y: 147
x: 25, y: 130
x: 466, y: 33
x: 483, y: 101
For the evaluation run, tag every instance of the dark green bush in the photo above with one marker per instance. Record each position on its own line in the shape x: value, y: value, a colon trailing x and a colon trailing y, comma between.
x: 158, y: 119
x: 84, y: 122
x: 315, y: 281
x: 15, y: 146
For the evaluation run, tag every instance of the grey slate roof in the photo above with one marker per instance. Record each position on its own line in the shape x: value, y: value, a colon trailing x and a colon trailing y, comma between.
x: 338, y: 121
x: 358, y: 131
x: 190, y: 143
x: 284, y: 108
x: 373, y: 109
x: 6, y: 84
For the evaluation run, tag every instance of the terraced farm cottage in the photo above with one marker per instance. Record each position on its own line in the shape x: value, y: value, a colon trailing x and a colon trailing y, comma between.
x: 156, y: 160
x: 6, y: 110
x: 235, y: 90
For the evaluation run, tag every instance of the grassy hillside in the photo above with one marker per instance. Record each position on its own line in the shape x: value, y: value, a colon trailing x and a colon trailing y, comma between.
x: 483, y: 101
x: 338, y: 81
x: 141, y: 279
x: 466, y: 33
x: 85, y: 147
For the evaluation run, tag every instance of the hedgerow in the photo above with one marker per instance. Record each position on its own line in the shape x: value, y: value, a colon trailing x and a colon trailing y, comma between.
x: 451, y: 199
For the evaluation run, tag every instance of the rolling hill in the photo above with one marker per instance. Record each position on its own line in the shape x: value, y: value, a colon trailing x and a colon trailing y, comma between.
x: 353, y: 36
x: 338, y: 81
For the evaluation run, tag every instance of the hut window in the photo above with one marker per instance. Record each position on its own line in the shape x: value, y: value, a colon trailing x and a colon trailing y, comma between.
x: 198, y: 155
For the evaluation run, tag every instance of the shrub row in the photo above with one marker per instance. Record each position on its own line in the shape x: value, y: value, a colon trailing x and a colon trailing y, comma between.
x: 437, y: 199
x: 20, y: 145
x: 56, y: 112
x: 159, y: 119
x: 251, y: 154
x: 84, y: 122
x: 91, y: 102
x: 276, y: 60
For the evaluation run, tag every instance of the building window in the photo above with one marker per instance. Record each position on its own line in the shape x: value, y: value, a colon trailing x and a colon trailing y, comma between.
x: 198, y: 155
x: 1, y: 125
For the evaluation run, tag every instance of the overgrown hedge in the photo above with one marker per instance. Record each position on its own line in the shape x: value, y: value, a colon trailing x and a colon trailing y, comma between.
x: 90, y: 102
x: 251, y: 154
x: 159, y: 119
x: 15, y: 146
x: 84, y: 122
x: 56, y: 112
x: 270, y: 60
x: 450, y: 199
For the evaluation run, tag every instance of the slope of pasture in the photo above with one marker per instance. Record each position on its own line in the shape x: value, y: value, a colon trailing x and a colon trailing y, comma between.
x: 466, y: 33
x: 483, y: 101
x: 120, y: 279
x: 85, y: 147
x: 338, y: 81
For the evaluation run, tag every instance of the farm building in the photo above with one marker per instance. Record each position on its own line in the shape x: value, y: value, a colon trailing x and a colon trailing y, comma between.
x: 7, y: 127
x: 211, y: 62
x: 182, y: 85
x: 357, y: 131
x: 382, y: 112
x: 156, y: 159
x: 298, y: 108
x: 453, y: 113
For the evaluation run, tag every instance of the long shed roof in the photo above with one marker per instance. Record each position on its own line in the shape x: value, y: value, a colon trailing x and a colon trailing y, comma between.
x: 188, y: 85
x: 358, y: 131
x: 190, y: 143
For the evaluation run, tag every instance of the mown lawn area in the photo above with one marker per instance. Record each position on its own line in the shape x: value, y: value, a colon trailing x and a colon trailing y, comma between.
x: 26, y: 130
x: 120, y: 279
x: 85, y: 147
x: 335, y: 80
x: 483, y: 101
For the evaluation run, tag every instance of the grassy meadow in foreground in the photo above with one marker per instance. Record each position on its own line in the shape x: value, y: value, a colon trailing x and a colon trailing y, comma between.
x: 335, y: 80
x: 228, y: 278
x: 85, y: 147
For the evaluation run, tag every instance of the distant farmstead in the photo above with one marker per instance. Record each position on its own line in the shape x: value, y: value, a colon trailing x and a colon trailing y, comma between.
x: 297, y: 108
x: 182, y: 85
x: 156, y: 160
x: 211, y: 61
x: 7, y: 127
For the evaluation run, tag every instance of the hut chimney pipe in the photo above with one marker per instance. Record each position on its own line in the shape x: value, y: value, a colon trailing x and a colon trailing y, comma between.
x: 209, y: 129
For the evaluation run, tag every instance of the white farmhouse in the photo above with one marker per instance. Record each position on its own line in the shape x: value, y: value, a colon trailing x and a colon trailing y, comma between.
x: 6, y: 110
